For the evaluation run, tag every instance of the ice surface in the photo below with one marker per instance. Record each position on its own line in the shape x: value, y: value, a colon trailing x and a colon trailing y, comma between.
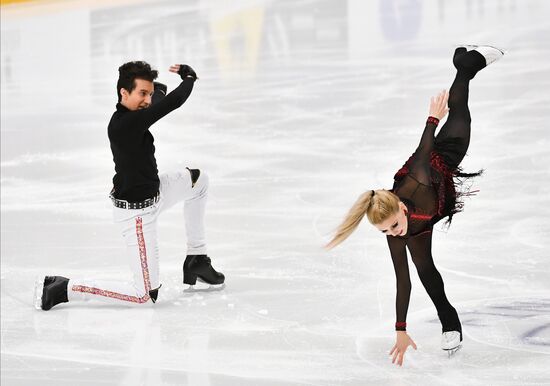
x: 300, y: 107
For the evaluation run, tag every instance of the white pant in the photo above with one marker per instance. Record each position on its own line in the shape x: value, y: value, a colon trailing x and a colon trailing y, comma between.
x: 139, y: 230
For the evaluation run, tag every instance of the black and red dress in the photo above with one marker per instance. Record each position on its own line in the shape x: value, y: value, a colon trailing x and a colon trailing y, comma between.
x: 429, y: 184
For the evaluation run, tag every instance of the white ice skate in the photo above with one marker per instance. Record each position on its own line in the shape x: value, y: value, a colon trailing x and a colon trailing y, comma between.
x: 490, y: 53
x: 38, y: 289
x: 451, y: 341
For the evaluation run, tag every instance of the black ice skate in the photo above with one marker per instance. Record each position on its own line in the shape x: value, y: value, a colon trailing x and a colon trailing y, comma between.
x: 471, y: 58
x: 451, y: 342
x: 50, y: 291
x: 199, y: 267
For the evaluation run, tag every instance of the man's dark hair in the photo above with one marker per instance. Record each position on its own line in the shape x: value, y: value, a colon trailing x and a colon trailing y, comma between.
x: 129, y: 72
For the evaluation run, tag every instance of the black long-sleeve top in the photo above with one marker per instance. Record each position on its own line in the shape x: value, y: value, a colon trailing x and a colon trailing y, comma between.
x: 414, y: 187
x: 132, y: 144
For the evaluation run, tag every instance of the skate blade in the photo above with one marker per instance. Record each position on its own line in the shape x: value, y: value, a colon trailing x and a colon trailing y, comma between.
x: 470, y: 47
x: 38, y: 289
x: 451, y: 352
x: 202, y: 286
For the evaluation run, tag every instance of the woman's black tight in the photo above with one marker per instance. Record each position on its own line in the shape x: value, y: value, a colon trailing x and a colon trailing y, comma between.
x: 420, y: 248
x: 453, y: 139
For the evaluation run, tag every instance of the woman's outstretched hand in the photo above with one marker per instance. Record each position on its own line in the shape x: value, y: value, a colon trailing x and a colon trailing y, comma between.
x: 402, y: 342
x: 438, y: 105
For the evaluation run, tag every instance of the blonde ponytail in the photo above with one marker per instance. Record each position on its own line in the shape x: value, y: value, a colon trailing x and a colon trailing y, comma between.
x: 376, y: 205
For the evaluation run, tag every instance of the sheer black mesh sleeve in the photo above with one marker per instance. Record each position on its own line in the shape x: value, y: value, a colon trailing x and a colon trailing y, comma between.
x: 403, y: 280
x: 413, y: 183
x: 420, y: 167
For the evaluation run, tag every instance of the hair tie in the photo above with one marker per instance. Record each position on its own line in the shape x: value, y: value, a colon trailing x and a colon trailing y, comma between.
x: 373, y: 193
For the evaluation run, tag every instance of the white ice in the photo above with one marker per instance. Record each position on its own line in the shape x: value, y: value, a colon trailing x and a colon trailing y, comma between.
x: 300, y: 107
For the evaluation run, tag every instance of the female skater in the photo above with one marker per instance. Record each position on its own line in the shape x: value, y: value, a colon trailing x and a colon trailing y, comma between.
x: 424, y: 192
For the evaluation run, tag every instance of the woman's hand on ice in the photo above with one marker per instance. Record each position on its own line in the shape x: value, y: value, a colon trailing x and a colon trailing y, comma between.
x: 402, y: 342
x: 438, y: 105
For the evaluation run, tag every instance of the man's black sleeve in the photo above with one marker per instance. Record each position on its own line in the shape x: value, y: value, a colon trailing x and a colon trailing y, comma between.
x: 159, y: 93
x: 170, y: 102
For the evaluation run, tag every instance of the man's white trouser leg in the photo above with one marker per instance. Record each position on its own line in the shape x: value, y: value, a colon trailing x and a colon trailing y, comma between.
x: 139, y: 230
x: 177, y: 187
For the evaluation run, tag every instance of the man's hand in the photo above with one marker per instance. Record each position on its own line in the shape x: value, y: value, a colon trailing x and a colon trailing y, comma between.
x: 160, y: 92
x: 161, y: 87
x: 184, y: 71
x: 403, y: 341
x: 438, y: 105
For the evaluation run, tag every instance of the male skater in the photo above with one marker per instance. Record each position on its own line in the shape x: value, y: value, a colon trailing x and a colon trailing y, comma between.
x: 139, y: 195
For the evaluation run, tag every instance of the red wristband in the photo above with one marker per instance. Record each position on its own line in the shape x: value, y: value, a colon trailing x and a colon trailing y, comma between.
x: 433, y: 120
x: 400, y: 326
